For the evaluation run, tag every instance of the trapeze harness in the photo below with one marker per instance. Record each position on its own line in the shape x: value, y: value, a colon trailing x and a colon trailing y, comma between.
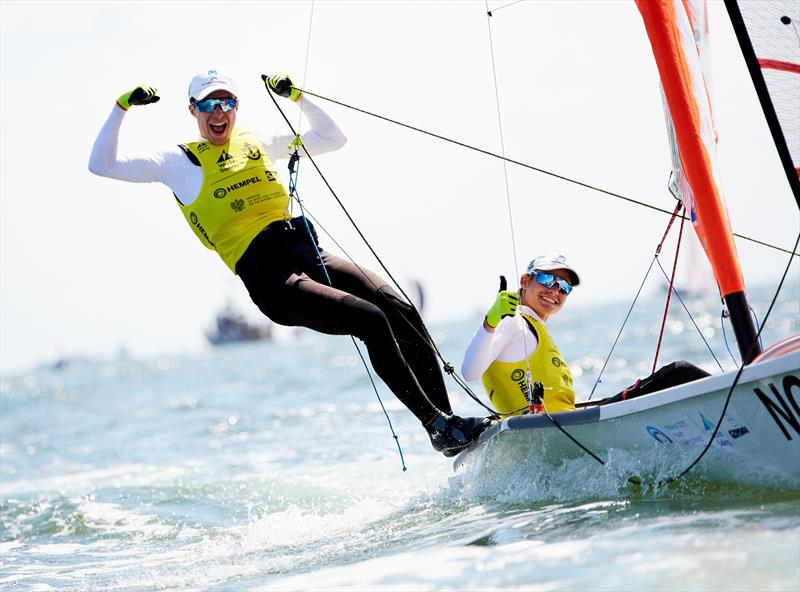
x: 507, y: 385
x: 241, y: 195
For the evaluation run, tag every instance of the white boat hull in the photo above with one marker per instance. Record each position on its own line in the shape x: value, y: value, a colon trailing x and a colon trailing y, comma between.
x: 655, y: 437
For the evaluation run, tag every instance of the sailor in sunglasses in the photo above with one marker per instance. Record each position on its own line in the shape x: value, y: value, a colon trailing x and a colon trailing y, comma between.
x: 514, y: 341
x: 230, y: 193
x: 513, y: 348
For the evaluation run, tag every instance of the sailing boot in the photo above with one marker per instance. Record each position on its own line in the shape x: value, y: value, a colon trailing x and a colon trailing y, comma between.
x: 450, y: 434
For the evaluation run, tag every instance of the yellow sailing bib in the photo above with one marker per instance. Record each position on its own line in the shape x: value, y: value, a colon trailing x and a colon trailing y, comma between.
x: 506, y: 384
x: 241, y: 195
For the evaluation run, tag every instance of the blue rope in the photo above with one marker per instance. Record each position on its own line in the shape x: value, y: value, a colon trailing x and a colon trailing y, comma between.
x: 293, y: 169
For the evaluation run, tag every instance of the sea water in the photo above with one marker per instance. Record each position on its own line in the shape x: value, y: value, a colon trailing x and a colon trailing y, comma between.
x: 271, y: 466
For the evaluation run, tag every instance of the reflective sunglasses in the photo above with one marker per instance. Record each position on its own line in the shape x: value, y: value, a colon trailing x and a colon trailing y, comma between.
x: 208, y: 105
x: 548, y: 280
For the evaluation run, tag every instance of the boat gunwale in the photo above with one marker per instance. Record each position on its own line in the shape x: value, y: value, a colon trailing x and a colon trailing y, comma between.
x: 595, y: 413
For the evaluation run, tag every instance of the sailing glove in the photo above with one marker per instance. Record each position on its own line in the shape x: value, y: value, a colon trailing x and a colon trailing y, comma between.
x: 282, y: 85
x: 141, y: 95
x: 505, y: 305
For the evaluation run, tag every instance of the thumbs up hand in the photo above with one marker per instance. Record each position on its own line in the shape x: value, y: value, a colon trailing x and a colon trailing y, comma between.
x: 505, y: 305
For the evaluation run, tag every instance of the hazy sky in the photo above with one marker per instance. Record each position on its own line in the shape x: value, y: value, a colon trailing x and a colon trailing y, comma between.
x: 89, y: 265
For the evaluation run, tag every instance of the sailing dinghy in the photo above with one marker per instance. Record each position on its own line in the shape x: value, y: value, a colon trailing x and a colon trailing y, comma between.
x: 738, y: 427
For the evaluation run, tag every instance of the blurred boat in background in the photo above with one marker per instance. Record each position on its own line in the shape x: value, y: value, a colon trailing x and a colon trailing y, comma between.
x: 231, y: 326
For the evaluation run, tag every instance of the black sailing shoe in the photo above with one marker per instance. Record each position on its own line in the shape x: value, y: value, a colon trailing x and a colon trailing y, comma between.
x: 450, y: 434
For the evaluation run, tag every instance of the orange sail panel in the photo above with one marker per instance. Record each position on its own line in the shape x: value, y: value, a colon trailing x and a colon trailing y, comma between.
x: 671, y: 27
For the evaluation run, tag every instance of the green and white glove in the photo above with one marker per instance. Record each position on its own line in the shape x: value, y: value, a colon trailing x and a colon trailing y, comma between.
x: 281, y: 85
x: 141, y: 95
x: 505, y: 305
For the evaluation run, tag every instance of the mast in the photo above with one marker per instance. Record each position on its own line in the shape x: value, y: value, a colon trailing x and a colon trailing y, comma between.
x: 790, y: 168
x: 673, y: 27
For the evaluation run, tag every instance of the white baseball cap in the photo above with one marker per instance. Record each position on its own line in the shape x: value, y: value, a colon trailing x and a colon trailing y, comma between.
x: 551, y: 261
x: 207, y: 82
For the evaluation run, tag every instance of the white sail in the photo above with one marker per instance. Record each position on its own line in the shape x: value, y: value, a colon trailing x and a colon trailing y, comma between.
x: 774, y: 30
x: 696, y: 277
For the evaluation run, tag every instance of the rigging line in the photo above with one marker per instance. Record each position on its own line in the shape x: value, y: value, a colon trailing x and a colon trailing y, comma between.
x: 624, y: 322
x: 675, y: 214
x: 491, y: 12
x: 739, y: 373
x: 669, y: 297
x: 431, y: 343
x: 727, y: 399
x: 448, y: 367
x: 383, y: 407
x: 294, y: 167
x: 561, y: 429
x: 336, y: 197
x: 502, y: 140
x: 567, y: 434
x: 308, y: 53
x: 571, y: 437
x: 528, y: 375
x: 753, y: 312
x: 533, y: 168
x: 787, y: 21
x: 686, y: 308
x: 722, y: 316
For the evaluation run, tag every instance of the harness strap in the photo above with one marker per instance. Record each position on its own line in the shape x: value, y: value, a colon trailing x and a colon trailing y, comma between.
x: 189, y: 154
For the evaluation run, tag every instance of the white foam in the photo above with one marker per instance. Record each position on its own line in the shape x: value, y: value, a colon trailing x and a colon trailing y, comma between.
x: 296, y: 526
x: 485, y: 568
x: 55, y: 549
x: 114, y: 518
x: 7, y: 546
x: 70, y: 480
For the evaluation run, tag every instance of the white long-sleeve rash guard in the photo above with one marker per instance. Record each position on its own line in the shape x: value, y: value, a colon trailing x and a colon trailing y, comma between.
x: 511, y: 341
x: 172, y: 167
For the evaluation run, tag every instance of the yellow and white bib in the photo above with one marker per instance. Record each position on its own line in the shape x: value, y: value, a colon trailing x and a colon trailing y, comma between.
x: 240, y: 196
x: 506, y: 384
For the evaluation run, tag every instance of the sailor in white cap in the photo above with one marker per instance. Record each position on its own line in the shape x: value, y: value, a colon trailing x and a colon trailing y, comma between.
x: 232, y: 198
x: 513, y: 347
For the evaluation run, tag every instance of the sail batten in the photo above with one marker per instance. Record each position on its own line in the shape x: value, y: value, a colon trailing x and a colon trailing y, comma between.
x: 769, y: 64
x: 769, y: 36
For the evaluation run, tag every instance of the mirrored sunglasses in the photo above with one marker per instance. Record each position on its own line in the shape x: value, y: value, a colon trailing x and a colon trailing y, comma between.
x: 208, y: 105
x: 548, y: 280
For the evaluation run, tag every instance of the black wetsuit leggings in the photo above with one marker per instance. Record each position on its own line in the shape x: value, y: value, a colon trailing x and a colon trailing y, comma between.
x: 673, y: 374
x: 284, y: 277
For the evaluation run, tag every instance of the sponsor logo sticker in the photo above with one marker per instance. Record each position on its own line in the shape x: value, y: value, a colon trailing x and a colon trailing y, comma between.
x: 738, y: 432
x: 251, y: 152
x: 659, y: 436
